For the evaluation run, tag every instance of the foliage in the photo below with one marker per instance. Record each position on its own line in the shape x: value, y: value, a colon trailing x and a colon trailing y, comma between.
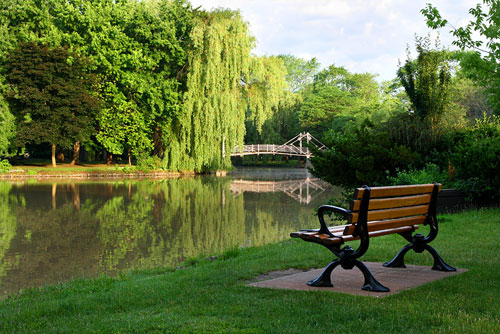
x: 138, y: 50
x: 300, y: 72
x: 431, y: 173
x: 156, y: 100
x: 7, y: 127
x: 223, y: 83
x: 267, y: 88
x: 468, y: 99
x: 122, y: 129
x: 284, y: 124
x: 213, y: 115
x: 5, y: 166
x: 49, y: 95
x: 366, y: 155
x: 476, y: 158
x: 426, y: 80
x: 482, y: 35
x: 340, y: 100
x: 148, y: 163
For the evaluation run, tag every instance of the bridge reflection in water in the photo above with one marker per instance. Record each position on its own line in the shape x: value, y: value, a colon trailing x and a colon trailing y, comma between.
x: 301, y: 190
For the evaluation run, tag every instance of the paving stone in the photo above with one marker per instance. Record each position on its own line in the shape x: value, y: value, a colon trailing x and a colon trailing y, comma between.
x: 351, y: 281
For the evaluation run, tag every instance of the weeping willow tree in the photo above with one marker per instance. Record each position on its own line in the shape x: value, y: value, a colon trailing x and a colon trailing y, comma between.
x: 224, y: 85
x: 267, y: 89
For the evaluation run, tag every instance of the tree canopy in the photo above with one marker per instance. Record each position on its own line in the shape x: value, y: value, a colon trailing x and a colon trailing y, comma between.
x: 49, y: 95
x: 174, y: 81
x: 481, y: 35
x: 426, y: 81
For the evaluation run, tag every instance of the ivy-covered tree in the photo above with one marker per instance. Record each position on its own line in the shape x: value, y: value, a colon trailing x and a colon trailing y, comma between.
x: 49, y: 96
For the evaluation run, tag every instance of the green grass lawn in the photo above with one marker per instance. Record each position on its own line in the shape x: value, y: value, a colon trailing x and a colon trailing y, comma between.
x: 212, y: 296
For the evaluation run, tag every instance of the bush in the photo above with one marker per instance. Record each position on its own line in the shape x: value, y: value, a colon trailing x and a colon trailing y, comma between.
x: 430, y: 174
x: 147, y: 163
x: 476, y: 159
x: 363, y: 156
x: 4, y: 166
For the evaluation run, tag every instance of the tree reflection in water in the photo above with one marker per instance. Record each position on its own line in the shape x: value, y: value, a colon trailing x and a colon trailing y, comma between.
x: 52, y: 232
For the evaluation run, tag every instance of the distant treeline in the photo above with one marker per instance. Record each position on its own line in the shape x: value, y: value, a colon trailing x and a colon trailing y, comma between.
x: 157, y: 80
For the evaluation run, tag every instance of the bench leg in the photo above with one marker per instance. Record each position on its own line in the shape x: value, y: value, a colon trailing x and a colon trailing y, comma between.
x: 439, y: 263
x: 324, y: 280
x: 371, y: 284
x: 399, y: 260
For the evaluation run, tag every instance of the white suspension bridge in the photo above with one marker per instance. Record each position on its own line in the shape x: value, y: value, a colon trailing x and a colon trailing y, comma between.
x: 293, y: 147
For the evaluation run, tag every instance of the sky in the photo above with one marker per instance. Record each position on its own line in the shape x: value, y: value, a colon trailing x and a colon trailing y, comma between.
x: 361, y: 35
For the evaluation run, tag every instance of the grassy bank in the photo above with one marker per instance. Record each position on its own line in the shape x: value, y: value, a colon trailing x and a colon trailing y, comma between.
x: 212, y: 296
x: 42, y: 168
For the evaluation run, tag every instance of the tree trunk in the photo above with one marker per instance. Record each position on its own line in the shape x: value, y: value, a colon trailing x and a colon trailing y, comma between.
x: 76, y: 154
x: 54, y: 155
x: 129, y: 158
x: 157, y: 142
x: 109, y: 159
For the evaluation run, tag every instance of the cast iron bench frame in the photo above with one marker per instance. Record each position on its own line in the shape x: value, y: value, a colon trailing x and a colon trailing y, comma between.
x: 375, y: 212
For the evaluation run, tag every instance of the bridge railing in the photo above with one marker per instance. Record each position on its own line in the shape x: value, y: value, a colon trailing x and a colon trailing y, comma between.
x: 271, y: 149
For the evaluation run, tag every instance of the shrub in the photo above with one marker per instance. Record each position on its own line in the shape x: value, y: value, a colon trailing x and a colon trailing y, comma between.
x: 363, y: 156
x: 476, y: 159
x: 430, y: 174
x: 148, y: 163
x: 4, y: 166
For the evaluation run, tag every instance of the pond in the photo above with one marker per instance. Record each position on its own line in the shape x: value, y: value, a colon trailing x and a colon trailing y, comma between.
x: 54, y: 231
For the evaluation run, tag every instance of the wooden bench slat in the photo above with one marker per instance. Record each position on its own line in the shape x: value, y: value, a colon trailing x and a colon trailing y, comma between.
x: 388, y: 224
x: 307, y: 234
x: 377, y: 192
x: 386, y: 203
x: 391, y: 213
x: 331, y: 241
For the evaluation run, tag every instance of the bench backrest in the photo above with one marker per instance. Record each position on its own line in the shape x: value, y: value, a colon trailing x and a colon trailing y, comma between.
x: 391, y: 207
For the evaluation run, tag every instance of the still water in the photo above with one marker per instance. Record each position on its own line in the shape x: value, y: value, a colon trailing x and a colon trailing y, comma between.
x: 53, y: 231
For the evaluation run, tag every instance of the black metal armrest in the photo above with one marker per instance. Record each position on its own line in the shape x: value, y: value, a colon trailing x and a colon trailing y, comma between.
x: 335, y: 209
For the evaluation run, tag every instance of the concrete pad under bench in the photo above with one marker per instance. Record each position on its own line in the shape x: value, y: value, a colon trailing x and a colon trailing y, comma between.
x: 351, y: 281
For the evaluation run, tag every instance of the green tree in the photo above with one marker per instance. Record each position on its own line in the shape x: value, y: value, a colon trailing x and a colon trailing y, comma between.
x: 185, y: 77
x: 481, y: 34
x: 122, y: 128
x: 49, y: 95
x: 364, y: 155
x: 300, y: 72
x: 337, y: 93
x: 284, y: 123
x: 426, y: 81
x: 225, y: 85
x: 137, y: 48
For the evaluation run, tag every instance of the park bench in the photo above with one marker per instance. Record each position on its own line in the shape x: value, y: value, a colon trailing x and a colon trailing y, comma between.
x: 376, y: 212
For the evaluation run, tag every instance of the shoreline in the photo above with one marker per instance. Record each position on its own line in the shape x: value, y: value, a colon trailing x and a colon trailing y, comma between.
x: 100, y: 174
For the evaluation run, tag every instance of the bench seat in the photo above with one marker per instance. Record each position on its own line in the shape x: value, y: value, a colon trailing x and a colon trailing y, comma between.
x: 340, y: 238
